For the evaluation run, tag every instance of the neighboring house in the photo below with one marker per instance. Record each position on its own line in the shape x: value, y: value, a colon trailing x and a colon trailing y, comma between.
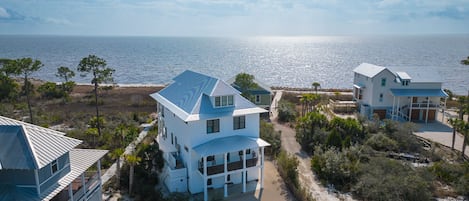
x: 261, y: 95
x: 209, y: 135
x: 404, y: 94
x: 37, y: 163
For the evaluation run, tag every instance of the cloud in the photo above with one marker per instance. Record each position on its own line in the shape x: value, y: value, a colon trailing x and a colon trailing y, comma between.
x: 4, y: 13
x: 56, y: 21
x: 388, y: 3
x: 457, y: 13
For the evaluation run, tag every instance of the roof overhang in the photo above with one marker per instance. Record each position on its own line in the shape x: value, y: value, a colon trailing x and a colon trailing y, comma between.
x: 358, y: 86
x: 419, y: 92
x: 229, y: 144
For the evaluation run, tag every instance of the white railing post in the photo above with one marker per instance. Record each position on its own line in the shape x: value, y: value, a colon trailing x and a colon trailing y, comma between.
x: 244, y: 171
x: 205, y: 179
x: 262, y: 167
x: 226, y: 175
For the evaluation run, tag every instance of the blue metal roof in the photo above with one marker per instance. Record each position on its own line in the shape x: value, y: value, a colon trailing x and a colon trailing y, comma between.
x: 189, y: 97
x: 187, y: 89
x: 419, y: 92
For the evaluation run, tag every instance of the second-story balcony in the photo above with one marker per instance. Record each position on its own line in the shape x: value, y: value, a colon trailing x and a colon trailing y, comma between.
x: 231, y: 166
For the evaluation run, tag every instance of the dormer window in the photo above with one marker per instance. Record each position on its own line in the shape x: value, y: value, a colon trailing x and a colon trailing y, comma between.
x: 405, y: 82
x: 54, y: 166
x: 224, y: 101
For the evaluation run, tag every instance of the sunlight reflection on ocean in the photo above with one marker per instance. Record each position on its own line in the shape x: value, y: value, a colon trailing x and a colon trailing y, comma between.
x: 277, y: 61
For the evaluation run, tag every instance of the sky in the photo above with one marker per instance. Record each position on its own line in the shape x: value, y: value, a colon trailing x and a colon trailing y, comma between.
x: 233, y: 17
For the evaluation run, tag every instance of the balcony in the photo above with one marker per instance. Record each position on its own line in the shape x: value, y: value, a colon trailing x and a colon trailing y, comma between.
x: 236, y: 165
x: 92, y: 183
x: 425, y: 105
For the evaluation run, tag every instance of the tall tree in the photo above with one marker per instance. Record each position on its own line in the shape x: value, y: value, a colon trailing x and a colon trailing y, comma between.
x: 8, y: 87
x: 245, y: 83
x: 316, y: 85
x: 464, y: 129
x: 96, y: 66
x: 455, y: 124
x: 132, y: 160
x: 25, y: 67
x: 65, y: 73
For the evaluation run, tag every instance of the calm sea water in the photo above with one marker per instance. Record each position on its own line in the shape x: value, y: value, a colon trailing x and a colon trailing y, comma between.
x: 276, y: 61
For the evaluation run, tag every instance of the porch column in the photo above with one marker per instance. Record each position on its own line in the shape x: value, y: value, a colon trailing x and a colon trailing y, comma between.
x: 70, y: 192
x: 98, y: 165
x: 262, y: 167
x: 83, y: 183
x: 244, y: 171
x: 393, y: 107
x: 428, y: 106
x: 443, y: 112
x: 38, y: 185
x: 205, y: 179
x: 226, y: 175
x: 398, y: 109
x: 410, y: 108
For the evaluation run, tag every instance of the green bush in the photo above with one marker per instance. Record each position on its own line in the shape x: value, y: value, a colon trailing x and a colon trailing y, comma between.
x: 286, y: 111
x: 381, y: 142
x: 272, y: 136
x: 288, y: 166
x: 50, y: 90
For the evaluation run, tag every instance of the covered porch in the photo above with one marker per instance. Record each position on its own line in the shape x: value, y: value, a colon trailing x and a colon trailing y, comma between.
x: 236, y: 156
x: 417, y: 104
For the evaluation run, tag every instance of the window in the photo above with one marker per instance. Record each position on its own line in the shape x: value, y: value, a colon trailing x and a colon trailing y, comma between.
x: 224, y: 101
x: 209, y: 182
x: 258, y: 98
x: 185, y: 148
x: 383, y: 82
x: 228, y: 178
x: 228, y: 157
x: 162, y: 110
x: 381, y: 97
x: 239, y: 122
x: 211, y: 158
x: 213, y: 126
x: 405, y: 82
x: 172, y: 138
x: 54, y: 166
x: 176, y: 140
x: 248, y: 151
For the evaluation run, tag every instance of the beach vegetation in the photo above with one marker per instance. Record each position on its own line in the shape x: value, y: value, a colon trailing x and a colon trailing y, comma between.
x: 286, y: 111
x: 316, y: 85
x: 245, y: 82
x: 24, y: 67
x: 101, y: 74
x: 269, y: 134
x: 67, y: 86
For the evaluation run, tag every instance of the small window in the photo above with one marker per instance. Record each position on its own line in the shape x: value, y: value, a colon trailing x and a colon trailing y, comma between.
x: 217, y: 101
x: 239, y: 122
x: 405, y: 83
x: 228, y: 157
x: 248, y: 151
x: 383, y: 82
x: 162, y: 110
x: 176, y: 140
x: 211, y: 158
x: 228, y: 178
x: 185, y: 148
x: 258, y: 98
x: 172, y: 138
x: 213, y: 126
x: 209, y: 182
x: 224, y: 101
x: 380, y: 97
x: 54, y: 166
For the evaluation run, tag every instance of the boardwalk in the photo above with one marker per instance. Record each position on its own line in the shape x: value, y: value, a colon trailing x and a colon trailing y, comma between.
x: 128, y: 150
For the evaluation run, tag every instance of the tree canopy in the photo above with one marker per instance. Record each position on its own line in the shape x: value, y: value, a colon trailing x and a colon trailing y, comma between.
x: 245, y: 82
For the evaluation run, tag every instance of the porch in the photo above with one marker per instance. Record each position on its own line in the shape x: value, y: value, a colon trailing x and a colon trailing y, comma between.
x: 225, y: 149
x: 417, y: 104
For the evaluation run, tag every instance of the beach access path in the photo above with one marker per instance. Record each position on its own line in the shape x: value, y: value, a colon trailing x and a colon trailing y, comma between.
x: 306, y: 176
x: 111, y: 171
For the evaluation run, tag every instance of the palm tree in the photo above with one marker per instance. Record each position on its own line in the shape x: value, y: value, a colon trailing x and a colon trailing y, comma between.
x: 116, y: 155
x: 455, y: 124
x: 132, y: 160
x: 316, y: 85
x: 464, y: 129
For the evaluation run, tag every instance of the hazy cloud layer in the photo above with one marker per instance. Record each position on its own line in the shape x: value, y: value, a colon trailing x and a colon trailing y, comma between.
x: 234, y: 17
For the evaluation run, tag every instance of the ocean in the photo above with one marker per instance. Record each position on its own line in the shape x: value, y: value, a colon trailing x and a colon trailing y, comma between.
x: 275, y: 61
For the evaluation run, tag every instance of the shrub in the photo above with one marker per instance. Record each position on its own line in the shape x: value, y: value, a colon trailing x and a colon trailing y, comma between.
x: 381, y: 142
x: 272, y: 136
x: 288, y: 166
x: 286, y: 111
x: 50, y: 90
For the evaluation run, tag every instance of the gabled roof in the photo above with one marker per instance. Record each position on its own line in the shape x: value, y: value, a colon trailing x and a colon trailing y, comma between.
x: 418, y: 75
x: 27, y: 146
x: 189, y: 97
x: 369, y: 70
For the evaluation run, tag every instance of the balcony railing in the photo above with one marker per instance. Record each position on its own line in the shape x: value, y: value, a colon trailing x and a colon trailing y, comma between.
x: 217, y: 169
x: 91, y: 182
x: 425, y: 105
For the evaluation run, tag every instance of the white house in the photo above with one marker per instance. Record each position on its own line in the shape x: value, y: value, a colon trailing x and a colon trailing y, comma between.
x: 405, y: 94
x: 209, y: 135
x: 37, y: 163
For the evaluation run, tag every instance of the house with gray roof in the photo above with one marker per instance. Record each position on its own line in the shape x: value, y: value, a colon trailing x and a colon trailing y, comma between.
x: 261, y: 94
x: 405, y: 94
x: 37, y: 163
x: 209, y: 135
